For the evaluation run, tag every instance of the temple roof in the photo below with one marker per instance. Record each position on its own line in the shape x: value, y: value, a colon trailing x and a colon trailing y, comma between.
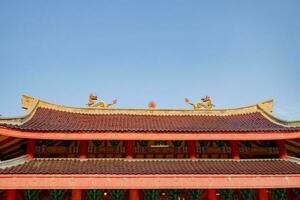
x: 45, y: 116
x: 154, y: 166
x: 45, y: 119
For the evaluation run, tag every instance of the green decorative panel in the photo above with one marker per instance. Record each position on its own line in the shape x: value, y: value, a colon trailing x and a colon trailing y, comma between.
x: 67, y: 142
x: 194, y: 194
x: 278, y: 194
x: 177, y: 143
x: 94, y: 194
x: 267, y: 143
x: 247, y: 194
x: 143, y: 143
x: 160, y: 142
x: 173, y: 194
x: 247, y: 143
x: 97, y: 142
x: 117, y: 194
x: 57, y: 194
x: 115, y: 143
x: 31, y: 194
x: 151, y: 194
x: 221, y: 143
x: 203, y: 143
x: 226, y: 194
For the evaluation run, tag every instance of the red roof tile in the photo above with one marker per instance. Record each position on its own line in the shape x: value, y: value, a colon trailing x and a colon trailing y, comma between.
x: 52, y: 120
x: 149, y: 166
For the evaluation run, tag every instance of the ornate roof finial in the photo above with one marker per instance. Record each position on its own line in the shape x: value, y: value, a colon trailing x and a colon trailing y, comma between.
x: 151, y: 105
x: 101, y: 104
x: 205, y: 102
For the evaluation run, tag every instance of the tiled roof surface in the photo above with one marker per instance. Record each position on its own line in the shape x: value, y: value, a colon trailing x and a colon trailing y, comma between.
x: 148, y: 167
x: 52, y: 120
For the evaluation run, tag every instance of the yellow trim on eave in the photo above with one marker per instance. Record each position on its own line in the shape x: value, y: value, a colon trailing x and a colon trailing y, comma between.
x: 277, y: 120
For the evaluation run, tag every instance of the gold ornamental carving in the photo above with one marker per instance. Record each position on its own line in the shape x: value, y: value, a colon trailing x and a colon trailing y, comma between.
x: 204, y: 103
x: 92, y: 102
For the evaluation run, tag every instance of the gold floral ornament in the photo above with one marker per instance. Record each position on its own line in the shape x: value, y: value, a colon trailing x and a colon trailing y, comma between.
x: 100, y: 104
x: 205, y: 103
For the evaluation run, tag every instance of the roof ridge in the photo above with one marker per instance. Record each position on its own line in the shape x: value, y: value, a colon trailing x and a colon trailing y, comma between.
x: 161, y: 159
x: 26, y: 101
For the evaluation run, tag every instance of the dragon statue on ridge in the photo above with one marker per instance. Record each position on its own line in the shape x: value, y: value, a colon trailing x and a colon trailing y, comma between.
x: 101, y: 104
x: 205, y: 102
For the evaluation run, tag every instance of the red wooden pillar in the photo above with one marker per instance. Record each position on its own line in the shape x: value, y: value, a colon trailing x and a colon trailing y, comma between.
x: 134, y: 194
x: 20, y: 195
x: 129, y: 149
x: 30, y: 148
x: 192, y: 149
x: 262, y: 194
x: 83, y: 149
x: 281, y: 149
x: 11, y: 194
x: 234, y: 150
x: 212, y: 194
x: 76, y: 194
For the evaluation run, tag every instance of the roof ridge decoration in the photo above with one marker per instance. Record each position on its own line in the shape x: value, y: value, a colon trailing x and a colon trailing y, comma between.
x: 100, y: 104
x: 31, y: 104
x: 205, y: 102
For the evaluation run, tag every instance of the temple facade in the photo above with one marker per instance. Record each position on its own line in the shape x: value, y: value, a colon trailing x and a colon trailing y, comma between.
x: 99, y: 152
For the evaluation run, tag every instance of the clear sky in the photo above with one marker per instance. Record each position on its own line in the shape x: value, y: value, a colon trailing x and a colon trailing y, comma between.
x: 238, y: 52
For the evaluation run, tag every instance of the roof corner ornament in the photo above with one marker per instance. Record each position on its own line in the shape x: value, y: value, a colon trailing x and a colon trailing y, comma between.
x: 205, y: 102
x: 100, y: 104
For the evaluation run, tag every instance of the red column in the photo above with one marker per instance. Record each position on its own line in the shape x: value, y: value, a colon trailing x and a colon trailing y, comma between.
x: 11, y: 194
x: 83, y: 149
x: 262, y: 194
x: 76, y: 194
x: 30, y: 148
x: 20, y: 195
x: 281, y: 149
x: 134, y: 194
x: 129, y: 149
x: 212, y: 194
x: 234, y: 150
x: 192, y: 149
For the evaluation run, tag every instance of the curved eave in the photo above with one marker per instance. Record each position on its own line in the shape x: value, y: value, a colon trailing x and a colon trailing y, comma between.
x: 265, y: 107
x: 31, y: 104
x: 37, y: 181
x: 149, y: 135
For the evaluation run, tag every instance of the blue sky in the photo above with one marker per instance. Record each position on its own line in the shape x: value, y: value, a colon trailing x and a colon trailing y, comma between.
x: 238, y: 52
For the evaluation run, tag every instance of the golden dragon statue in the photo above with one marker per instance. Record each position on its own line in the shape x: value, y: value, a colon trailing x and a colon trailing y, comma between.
x: 205, y: 102
x: 100, y: 104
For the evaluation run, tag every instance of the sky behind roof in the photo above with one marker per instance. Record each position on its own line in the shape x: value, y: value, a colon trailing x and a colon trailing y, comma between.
x: 238, y: 52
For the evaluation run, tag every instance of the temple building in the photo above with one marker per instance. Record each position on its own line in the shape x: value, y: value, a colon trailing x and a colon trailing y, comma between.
x: 100, y: 152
